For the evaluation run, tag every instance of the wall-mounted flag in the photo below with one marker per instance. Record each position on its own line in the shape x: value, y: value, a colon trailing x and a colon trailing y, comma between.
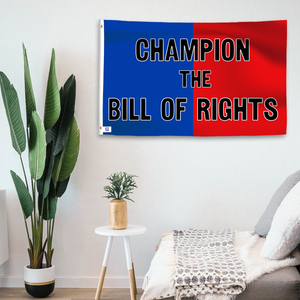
x: 192, y: 79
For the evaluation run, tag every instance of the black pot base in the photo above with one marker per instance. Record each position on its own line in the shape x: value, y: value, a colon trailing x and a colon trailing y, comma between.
x: 40, y: 291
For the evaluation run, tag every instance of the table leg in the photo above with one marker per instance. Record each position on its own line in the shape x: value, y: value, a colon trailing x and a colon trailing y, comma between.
x: 130, y: 268
x: 104, y: 266
x: 135, y: 289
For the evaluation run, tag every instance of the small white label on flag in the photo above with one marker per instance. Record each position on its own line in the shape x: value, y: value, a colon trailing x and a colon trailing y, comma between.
x: 106, y: 129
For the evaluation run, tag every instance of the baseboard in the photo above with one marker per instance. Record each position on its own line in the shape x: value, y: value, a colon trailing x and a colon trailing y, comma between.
x: 90, y: 282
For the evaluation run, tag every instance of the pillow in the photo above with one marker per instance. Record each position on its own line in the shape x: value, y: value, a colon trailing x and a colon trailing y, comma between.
x: 284, y: 235
x: 263, y: 226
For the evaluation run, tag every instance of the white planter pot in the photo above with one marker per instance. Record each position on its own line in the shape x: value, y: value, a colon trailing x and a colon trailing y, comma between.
x: 39, y: 283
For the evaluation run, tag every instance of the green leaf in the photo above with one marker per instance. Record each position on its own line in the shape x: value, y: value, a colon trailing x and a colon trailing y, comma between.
x: 43, y: 184
x: 52, y: 133
x: 41, y: 205
x: 37, y: 147
x: 23, y: 194
x: 50, y: 204
x: 65, y: 161
x: 122, y: 184
x: 29, y: 95
x: 52, y: 103
x: 13, y: 113
x: 60, y: 130
x: 61, y: 187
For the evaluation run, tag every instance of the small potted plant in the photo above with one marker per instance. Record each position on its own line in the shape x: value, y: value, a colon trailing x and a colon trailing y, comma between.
x: 121, y: 185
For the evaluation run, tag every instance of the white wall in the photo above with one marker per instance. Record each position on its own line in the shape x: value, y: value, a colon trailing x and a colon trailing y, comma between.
x: 183, y: 181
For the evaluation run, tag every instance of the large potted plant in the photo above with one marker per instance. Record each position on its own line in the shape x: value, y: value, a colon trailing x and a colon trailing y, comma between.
x: 121, y: 185
x: 53, y: 147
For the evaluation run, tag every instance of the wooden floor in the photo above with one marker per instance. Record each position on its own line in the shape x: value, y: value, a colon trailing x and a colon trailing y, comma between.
x: 71, y: 294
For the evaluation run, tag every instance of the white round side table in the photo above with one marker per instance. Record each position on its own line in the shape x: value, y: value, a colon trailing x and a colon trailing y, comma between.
x: 125, y: 233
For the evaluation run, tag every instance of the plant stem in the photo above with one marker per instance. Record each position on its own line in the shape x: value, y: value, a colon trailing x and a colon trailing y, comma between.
x: 49, y: 243
x: 34, y: 199
x: 24, y: 172
x: 32, y: 225
x: 28, y: 237
x: 48, y: 233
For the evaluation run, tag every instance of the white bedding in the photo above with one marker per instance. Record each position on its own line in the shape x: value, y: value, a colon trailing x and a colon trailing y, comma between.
x: 159, y: 281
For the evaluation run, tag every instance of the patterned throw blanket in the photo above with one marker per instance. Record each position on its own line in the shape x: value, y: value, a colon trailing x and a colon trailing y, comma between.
x: 206, y: 262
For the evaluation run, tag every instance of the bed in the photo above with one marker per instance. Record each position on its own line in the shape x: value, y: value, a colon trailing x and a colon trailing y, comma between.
x: 269, y: 255
x: 282, y: 284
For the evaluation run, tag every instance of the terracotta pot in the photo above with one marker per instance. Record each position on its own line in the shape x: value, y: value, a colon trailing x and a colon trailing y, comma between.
x: 39, y: 283
x: 117, y: 214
